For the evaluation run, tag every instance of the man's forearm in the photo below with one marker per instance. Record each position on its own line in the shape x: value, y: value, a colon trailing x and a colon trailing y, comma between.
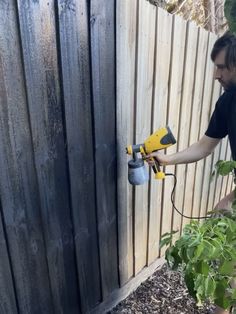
x: 189, y: 155
x: 195, y: 152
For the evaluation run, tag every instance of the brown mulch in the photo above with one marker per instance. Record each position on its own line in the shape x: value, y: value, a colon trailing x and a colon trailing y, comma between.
x: 164, y: 292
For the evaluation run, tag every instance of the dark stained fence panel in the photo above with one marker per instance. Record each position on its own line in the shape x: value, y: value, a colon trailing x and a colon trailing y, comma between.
x: 8, y: 303
x: 18, y: 184
x: 38, y: 35
x: 103, y: 80
x: 74, y: 43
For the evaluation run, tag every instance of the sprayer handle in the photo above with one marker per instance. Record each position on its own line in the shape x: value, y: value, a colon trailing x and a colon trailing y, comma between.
x: 156, y: 168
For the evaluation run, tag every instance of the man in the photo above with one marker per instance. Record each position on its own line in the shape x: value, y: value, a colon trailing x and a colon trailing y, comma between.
x: 223, y: 120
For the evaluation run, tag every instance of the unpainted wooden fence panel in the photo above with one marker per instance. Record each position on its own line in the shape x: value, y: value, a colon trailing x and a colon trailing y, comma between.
x: 144, y: 85
x: 209, y: 104
x: 195, y: 119
x: 159, y: 114
x: 200, y: 170
x: 76, y: 83
x: 185, y: 121
x: 173, y: 108
x: 184, y: 94
x: 126, y: 49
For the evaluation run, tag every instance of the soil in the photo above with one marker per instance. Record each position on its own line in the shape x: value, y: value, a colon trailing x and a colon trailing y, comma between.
x: 164, y: 292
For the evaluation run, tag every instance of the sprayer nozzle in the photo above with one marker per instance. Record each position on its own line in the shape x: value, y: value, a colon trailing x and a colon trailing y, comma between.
x: 129, y: 150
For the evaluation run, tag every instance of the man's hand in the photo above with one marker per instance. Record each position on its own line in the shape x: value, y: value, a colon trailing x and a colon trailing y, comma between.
x: 158, y: 157
x: 193, y: 153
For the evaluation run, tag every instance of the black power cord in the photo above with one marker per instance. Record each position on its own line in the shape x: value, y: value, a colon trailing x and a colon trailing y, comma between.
x: 172, y: 199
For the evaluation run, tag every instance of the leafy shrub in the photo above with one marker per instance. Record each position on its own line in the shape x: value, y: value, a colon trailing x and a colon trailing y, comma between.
x: 206, y: 253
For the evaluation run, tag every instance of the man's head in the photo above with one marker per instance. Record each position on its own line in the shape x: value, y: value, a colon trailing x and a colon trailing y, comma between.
x: 224, y: 57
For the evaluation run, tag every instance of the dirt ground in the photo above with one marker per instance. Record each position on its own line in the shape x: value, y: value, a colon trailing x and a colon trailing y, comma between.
x: 164, y: 292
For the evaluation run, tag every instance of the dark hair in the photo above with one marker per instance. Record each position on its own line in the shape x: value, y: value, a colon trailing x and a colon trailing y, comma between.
x: 227, y: 42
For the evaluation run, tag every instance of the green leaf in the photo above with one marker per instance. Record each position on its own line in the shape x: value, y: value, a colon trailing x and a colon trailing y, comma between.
x: 224, y: 167
x: 220, y: 298
x: 199, y: 286
x: 227, y: 268
x: 165, y: 241
x: 208, y: 251
x: 202, y: 267
x: 221, y: 286
x: 173, y: 257
x: 166, y: 238
x: 195, y: 240
x: 190, y: 252
x: 230, y: 14
x: 189, y: 280
x: 210, y: 287
x: 223, y: 302
x: 198, y: 252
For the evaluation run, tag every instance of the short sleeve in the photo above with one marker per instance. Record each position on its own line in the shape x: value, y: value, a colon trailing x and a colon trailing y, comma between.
x: 217, y: 127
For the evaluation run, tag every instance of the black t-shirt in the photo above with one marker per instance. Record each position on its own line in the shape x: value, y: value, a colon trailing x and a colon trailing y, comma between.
x: 223, y: 119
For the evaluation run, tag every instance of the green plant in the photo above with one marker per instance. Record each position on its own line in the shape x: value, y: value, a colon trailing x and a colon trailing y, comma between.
x: 206, y: 253
x: 230, y: 14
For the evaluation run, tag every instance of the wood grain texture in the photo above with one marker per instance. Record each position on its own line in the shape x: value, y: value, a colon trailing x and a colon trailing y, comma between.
x: 102, y: 17
x: 45, y: 110
x: 185, y: 122
x: 126, y: 21
x: 174, y: 109
x: 8, y: 302
x: 211, y: 92
x: 202, y: 170
x: 143, y: 94
x: 195, y: 120
x: 159, y: 116
x: 76, y: 82
x: 18, y: 183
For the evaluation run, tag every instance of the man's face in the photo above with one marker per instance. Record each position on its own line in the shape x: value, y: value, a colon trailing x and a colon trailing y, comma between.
x: 226, y: 77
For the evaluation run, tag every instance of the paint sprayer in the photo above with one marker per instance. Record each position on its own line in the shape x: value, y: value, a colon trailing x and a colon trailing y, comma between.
x: 137, y: 172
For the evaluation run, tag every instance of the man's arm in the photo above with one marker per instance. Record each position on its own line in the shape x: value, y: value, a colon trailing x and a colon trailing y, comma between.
x: 195, y: 152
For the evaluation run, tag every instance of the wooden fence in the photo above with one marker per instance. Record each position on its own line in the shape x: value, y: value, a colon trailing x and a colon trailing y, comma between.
x: 164, y: 77
x: 73, y: 232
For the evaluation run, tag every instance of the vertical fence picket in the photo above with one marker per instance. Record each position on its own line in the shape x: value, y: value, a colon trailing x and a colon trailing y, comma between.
x: 174, y: 100
x: 8, y: 301
x: 40, y: 52
x: 126, y: 46
x: 18, y: 183
x: 195, y: 119
x: 185, y: 120
x: 76, y: 83
x: 159, y: 114
x: 202, y: 172
x: 103, y: 88
x: 145, y: 64
x: 208, y: 101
